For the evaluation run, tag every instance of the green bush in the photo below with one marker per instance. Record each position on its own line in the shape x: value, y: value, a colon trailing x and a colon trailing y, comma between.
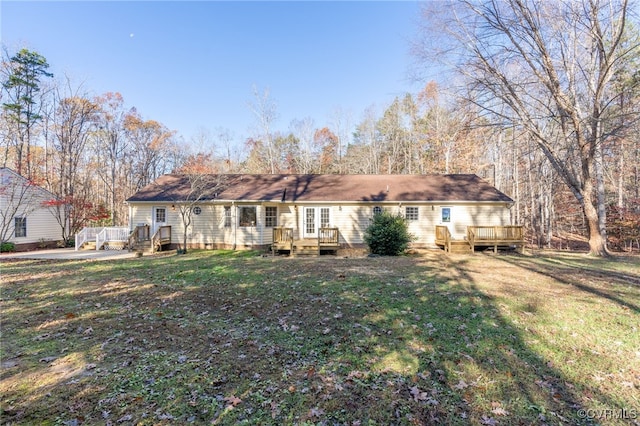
x: 388, y: 235
x: 6, y: 247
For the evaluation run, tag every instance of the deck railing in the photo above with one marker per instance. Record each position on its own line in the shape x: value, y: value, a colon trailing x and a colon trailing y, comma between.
x: 111, y: 234
x: 282, y: 239
x: 490, y: 233
x: 328, y: 239
x: 328, y: 236
x: 141, y: 238
x: 86, y: 235
x: 443, y: 237
x: 496, y: 236
x: 161, y: 237
x: 138, y: 234
x: 281, y: 234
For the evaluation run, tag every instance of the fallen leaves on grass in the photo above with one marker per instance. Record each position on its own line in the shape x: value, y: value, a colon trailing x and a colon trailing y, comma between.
x: 419, y: 395
x: 232, y: 400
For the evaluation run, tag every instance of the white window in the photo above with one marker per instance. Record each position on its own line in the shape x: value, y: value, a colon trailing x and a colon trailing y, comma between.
x: 197, y: 210
x: 271, y: 216
x: 20, y: 227
x: 227, y: 216
x: 248, y: 216
x: 161, y: 215
x: 411, y: 213
x: 446, y: 214
x: 377, y: 210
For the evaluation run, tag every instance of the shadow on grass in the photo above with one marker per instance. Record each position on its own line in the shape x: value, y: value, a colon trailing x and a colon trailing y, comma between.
x: 227, y: 339
x: 581, y: 274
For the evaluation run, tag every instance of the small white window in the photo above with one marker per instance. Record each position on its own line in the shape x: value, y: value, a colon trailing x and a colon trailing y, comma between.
x: 161, y: 215
x: 446, y: 214
x: 197, y: 210
x: 20, y: 227
x: 411, y: 213
x: 377, y: 210
x: 227, y: 216
x: 271, y: 216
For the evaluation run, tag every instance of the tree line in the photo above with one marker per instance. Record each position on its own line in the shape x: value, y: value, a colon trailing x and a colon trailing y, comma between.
x: 544, y: 105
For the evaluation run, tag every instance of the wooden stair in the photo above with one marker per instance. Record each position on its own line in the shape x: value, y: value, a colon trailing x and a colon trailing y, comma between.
x: 460, y: 246
x: 305, y: 247
x: 88, y: 245
x: 142, y: 247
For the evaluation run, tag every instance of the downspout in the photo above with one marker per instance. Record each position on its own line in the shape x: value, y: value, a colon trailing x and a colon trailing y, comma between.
x: 130, y: 217
x: 234, y: 215
x: 260, y: 224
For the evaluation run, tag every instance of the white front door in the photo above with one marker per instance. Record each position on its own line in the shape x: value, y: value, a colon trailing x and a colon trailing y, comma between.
x: 159, y: 218
x: 313, y: 219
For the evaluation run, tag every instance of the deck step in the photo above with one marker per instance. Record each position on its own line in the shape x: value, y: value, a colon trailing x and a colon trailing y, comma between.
x: 303, y: 252
x: 460, y: 247
x: 143, y: 246
x: 305, y: 249
x: 457, y: 246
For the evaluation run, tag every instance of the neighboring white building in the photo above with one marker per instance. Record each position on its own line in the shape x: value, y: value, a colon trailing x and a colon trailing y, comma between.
x: 245, y: 208
x: 24, y: 220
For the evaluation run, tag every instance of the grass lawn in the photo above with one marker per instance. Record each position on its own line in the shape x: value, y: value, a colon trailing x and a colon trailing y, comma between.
x: 218, y: 337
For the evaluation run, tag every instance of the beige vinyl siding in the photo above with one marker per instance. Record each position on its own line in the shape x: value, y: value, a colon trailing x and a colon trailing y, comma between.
x: 424, y: 229
x: 204, y: 227
x: 474, y: 214
x: 208, y: 228
x: 42, y: 226
x: 140, y: 214
x: 352, y: 219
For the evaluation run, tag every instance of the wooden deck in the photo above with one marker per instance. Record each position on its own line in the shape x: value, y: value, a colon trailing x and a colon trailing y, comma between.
x: 482, y: 236
x: 328, y: 239
x: 141, y: 239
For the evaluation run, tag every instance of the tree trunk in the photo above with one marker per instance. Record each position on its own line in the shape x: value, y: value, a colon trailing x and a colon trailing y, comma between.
x: 597, y: 241
x: 600, y: 191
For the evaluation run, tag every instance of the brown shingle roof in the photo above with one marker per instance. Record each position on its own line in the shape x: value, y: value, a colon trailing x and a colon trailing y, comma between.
x: 327, y: 188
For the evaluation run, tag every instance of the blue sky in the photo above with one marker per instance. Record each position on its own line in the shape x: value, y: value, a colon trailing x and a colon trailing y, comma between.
x: 193, y: 65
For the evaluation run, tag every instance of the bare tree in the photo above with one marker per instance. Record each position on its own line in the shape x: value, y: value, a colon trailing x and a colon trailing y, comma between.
x: 551, y: 64
x: 196, y: 185
x: 229, y: 153
x: 264, y: 109
x: 307, y: 160
x: 112, y: 146
x: 341, y: 123
x: 150, y: 144
x: 74, y: 120
x: 367, y: 140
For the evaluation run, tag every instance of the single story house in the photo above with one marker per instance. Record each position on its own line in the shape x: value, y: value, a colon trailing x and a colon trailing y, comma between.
x: 24, y: 220
x: 241, y: 210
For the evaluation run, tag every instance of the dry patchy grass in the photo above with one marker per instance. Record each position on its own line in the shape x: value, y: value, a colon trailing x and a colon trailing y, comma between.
x: 236, y: 338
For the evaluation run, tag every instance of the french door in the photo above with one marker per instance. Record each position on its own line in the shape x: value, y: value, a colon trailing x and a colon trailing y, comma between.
x: 313, y: 219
